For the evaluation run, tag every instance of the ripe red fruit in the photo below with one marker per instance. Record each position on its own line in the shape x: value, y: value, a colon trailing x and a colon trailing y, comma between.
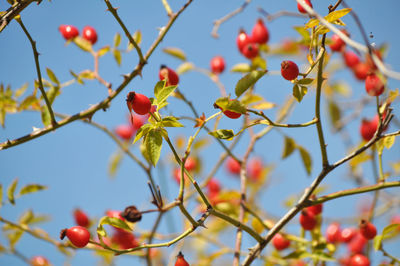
x: 307, y: 220
x: 78, y: 235
x: 250, y: 50
x: 369, y: 60
x: 89, y: 34
x: 260, y: 33
x: 217, y: 64
x: 81, y: 218
x: 347, y: 234
x: 228, y: 113
x: 68, y: 31
x: 213, y: 188
x: 351, y: 59
x: 374, y: 85
x: 337, y: 44
x: 190, y: 163
x: 138, y: 102
x: 357, y: 244
x: 333, y: 233
x: 368, y: 128
x: 169, y: 74
x: 39, y: 261
x: 177, y: 176
x: 359, y: 260
x: 315, y: 209
x: 124, y: 131
x: 361, y: 70
x: 180, y: 260
x: 232, y: 166
x: 255, y: 168
x: 301, y: 9
x: 124, y: 239
x: 289, y: 70
x: 280, y: 242
x: 136, y: 122
x: 242, y: 40
x: 367, y: 229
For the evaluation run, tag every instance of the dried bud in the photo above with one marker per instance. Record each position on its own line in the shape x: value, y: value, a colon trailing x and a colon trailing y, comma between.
x: 131, y: 214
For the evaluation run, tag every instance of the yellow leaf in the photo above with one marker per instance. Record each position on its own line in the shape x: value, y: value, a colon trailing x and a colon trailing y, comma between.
x: 337, y: 14
x: 312, y: 23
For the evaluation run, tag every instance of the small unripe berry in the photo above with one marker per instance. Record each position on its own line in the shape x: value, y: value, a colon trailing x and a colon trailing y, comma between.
x: 289, y: 70
x: 307, y: 220
x: 124, y: 131
x: 368, y: 128
x: 242, y: 40
x: 367, y: 229
x: 39, y: 261
x: 169, y: 75
x: 217, y: 65
x: 78, y: 235
x: 232, y: 166
x: 374, y: 85
x: 280, y: 242
x: 359, y: 260
x: 81, y: 218
x: 260, y: 33
x: 301, y: 9
x: 68, y: 31
x: 250, y: 50
x: 351, y: 59
x: 138, y: 102
x: 361, y: 70
x: 89, y: 34
x: 180, y: 260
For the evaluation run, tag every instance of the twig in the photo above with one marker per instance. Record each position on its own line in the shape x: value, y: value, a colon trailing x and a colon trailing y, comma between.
x: 274, y: 124
x: 12, y: 12
x: 167, y: 7
x: 279, y: 14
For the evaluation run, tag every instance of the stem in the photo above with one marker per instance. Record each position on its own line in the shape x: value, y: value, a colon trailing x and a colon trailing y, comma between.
x: 167, y: 7
x: 274, y: 124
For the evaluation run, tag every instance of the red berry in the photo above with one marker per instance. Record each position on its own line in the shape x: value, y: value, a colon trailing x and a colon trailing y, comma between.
x: 114, y: 214
x: 351, y: 59
x: 230, y: 114
x: 124, y: 131
x: 374, y: 85
x: 177, y: 176
x: 39, y: 261
x: 361, y: 71
x: 255, y: 168
x: 260, y: 33
x: 89, y: 34
x: 78, y: 235
x: 280, y: 242
x: 359, y: 260
x: 368, y: 128
x: 68, y: 31
x: 217, y: 64
x: 190, y: 163
x: 357, y: 244
x: 396, y: 220
x: 301, y: 9
x: 124, y: 239
x: 333, y: 233
x: 137, y: 122
x: 347, y: 234
x: 81, y: 218
x: 307, y: 220
x: 180, y: 260
x: 242, y: 40
x: 337, y: 44
x: 367, y: 229
x: 250, y: 50
x: 213, y: 188
x: 369, y: 60
x: 232, y: 166
x: 169, y: 74
x: 138, y: 102
x: 315, y: 209
x: 289, y: 70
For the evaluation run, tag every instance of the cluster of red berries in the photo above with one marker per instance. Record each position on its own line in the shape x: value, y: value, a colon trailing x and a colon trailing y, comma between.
x: 254, y: 168
x: 70, y: 32
x: 248, y: 44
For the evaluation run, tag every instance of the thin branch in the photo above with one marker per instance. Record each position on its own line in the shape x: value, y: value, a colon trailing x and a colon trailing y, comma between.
x: 279, y: 14
x: 39, y: 74
x: 274, y: 124
x: 12, y: 12
x: 218, y: 22
x: 167, y: 7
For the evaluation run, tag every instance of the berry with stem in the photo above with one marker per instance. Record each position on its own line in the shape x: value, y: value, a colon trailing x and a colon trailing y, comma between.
x: 180, y: 260
x: 280, y: 242
x: 89, y: 34
x: 308, y: 221
x: 78, y: 235
x: 289, y: 70
x: 260, y: 32
x: 367, y: 229
x: 138, y: 102
x: 374, y: 85
x: 169, y: 75
x: 68, y: 31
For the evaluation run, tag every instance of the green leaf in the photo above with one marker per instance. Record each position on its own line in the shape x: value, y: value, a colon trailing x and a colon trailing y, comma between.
x: 52, y: 93
x: 159, y: 87
x: 21, y: 90
x: 14, y: 237
x: 153, y: 144
x: 103, y: 51
x: 303, y: 32
x: 117, y: 56
x: 299, y: 92
x: 31, y: 188
x: 184, y: 67
x: 305, y: 81
x: 142, y: 131
x: 78, y: 79
x: 241, y: 68
x: 306, y: 158
x: 52, y: 76
x: 115, y: 161
x: 115, y: 222
x: 26, y: 217
x: 388, y: 141
x: 175, y: 52
x: 83, y: 44
x: 117, y: 40
x: 46, y: 119
x: 337, y: 14
x: 170, y: 121
x: 232, y: 105
x: 29, y: 101
x: 334, y: 113
x: 226, y: 134
x: 247, y: 81
x: 162, y: 93
x: 259, y: 62
x: 11, y: 190
x: 289, y: 147
x: 137, y: 37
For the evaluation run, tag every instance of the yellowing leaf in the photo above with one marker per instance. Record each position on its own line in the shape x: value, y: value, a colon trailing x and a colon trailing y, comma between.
x: 103, y: 50
x: 289, y: 147
x: 31, y: 188
x: 241, y: 68
x: 264, y: 105
x: 117, y: 56
x: 337, y: 14
x: 312, y: 23
x: 226, y: 134
x: 306, y: 158
x: 11, y: 190
x: 184, y: 67
x: 117, y: 40
x: 52, y: 76
x: 175, y: 52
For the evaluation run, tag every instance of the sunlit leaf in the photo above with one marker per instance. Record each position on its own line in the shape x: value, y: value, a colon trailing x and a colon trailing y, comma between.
x: 103, y: 50
x: 241, y: 68
x: 26, y: 217
x: 259, y: 62
x: 247, y: 81
x: 226, y: 134
x: 299, y: 92
x: 305, y: 81
x: 312, y: 23
x: 289, y: 147
x: 117, y: 39
x: 250, y: 98
x: 28, y: 102
x: 83, y: 44
x: 175, y: 52
x: 52, y: 76
x: 117, y: 56
x: 31, y: 188
x: 334, y: 113
x: 11, y: 190
x: 162, y: 93
x: 388, y: 232
x: 46, y: 119
x: 184, y: 67
x: 153, y: 144
x: 232, y: 105
x: 21, y: 90
x: 337, y: 14
x: 142, y: 131
x: 87, y: 74
x: 14, y: 237
x: 306, y: 158
x: 115, y: 161
x: 170, y: 121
